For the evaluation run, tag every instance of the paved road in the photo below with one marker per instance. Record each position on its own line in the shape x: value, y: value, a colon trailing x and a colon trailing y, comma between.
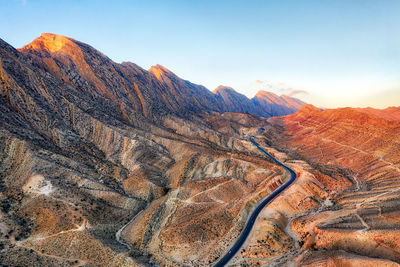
x: 253, y: 216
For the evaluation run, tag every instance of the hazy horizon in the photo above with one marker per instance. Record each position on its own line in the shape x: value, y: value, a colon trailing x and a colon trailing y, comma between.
x: 329, y: 54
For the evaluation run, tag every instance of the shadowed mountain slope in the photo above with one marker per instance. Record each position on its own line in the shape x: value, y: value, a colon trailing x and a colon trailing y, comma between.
x: 276, y: 105
x: 236, y: 102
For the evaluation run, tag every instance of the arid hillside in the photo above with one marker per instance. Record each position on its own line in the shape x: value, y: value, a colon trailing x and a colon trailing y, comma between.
x: 107, y: 164
x: 363, y: 220
x: 390, y: 113
x: 96, y: 169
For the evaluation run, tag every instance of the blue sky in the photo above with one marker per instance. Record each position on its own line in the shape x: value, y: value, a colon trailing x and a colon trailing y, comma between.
x: 342, y: 53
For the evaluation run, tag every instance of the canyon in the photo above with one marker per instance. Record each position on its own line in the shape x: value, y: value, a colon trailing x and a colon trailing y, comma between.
x: 107, y: 164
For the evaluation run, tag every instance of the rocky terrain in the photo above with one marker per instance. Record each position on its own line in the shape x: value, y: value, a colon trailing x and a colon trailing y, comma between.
x: 86, y: 147
x: 361, y: 224
x: 107, y: 164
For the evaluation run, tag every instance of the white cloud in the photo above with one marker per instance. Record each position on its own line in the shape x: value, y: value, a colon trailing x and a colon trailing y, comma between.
x: 278, y: 87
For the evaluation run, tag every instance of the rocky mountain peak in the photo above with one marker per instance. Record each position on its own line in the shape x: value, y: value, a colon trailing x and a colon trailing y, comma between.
x: 222, y: 88
x: 159, y: 71
x: 50, y: 42
x: 268, y: 96
x: 70, y: 61
x: 293, y: 101
x: 262, y: 93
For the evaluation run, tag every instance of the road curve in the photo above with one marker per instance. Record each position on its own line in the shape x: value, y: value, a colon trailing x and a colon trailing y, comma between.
x: 253, y: 216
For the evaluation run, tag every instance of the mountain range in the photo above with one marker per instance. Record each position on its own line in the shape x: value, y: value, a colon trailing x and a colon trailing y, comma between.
x: 107, y: 164
x: 132, y: 88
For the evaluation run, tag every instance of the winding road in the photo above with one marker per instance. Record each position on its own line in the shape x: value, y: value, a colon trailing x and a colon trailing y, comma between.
x: 253, y: 216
